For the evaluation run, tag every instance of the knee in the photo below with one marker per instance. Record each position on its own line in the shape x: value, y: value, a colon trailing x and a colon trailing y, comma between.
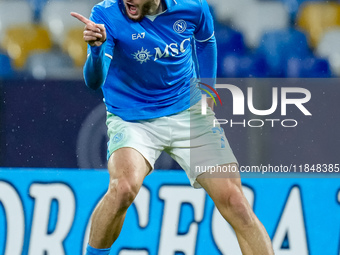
x: 236, y: 207
x: 122, y: 192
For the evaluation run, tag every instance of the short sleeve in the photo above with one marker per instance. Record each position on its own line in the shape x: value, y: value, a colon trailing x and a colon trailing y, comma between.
x: 98, y: 17
x: 205, y: 28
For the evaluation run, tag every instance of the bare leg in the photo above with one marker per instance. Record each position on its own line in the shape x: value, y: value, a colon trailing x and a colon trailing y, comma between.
x: 127, y: 168
x: 229, y: 199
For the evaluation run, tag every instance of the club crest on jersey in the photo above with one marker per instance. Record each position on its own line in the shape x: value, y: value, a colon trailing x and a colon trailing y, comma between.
x: 180, y: 26
x: 142, y: 55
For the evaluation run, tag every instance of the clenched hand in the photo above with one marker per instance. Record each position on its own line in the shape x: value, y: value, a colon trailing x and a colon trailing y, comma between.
x: 94, y: 34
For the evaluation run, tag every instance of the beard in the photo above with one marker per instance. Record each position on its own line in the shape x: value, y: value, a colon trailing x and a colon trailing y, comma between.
x: 144, y: 10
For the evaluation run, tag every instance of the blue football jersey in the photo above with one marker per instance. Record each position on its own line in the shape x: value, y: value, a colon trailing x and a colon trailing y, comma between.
x: 152, y: 60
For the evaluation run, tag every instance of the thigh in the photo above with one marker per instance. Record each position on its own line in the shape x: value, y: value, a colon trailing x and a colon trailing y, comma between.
x: 127, y: 163
x: 142, y: 137
x: 220, y: 180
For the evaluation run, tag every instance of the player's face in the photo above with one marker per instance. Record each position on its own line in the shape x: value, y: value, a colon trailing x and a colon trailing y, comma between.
x: 137, y: 9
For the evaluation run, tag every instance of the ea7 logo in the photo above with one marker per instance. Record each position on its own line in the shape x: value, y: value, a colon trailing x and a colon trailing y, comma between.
x: 138, y: 36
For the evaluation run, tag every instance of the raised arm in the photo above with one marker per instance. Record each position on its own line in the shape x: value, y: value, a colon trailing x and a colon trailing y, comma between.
x: 97, y: 65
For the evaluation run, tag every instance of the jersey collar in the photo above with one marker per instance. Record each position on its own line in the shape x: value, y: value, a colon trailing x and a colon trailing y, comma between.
x: 170, y: 3
x: 121, y: 6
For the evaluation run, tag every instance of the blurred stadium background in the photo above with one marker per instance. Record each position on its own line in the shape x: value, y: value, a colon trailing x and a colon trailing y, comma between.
x: 281, y: 38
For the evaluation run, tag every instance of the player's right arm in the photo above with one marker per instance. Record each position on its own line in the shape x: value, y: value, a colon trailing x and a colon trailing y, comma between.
x: 97, y: 65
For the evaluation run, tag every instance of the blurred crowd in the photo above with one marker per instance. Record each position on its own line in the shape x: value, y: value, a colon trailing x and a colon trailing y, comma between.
x: 278, y: 38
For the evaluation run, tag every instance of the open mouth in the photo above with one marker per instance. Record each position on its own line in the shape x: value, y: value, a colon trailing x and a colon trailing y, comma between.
x: 131, y: 9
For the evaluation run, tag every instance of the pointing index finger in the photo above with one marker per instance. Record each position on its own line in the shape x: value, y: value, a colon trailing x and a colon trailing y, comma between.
x: 81, y: 18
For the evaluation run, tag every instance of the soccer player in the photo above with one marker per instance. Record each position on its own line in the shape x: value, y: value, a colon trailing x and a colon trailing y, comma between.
x: 140, y: 54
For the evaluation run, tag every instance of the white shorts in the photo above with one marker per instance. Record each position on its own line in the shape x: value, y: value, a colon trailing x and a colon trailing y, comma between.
x: 188, y: 137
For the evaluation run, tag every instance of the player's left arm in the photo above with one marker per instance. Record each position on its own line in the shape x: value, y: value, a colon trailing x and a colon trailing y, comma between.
x: 207, y: 62
x: 206, y: 50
